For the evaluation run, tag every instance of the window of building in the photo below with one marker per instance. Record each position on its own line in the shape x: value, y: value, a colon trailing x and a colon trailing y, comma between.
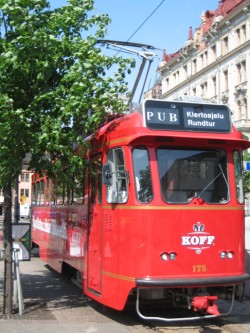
x: 176, y: 77
x: 201, y: 60
x: 204, y: 90
x: 185, y: 72
x: 241, y: 71
x: 225, y: 45
x: 194, y: 91
x: 244, y: 102
x: 213, y: 53
x: 237, y: 37
x: 243, y: 31
x: 25, y: 177
x: 225, y: 74
x: 167, y: 83
x: 238, y: 114
x: 24, y: 192
x: 194, y: 66
x: 214, y: 86
x: 205, y: 59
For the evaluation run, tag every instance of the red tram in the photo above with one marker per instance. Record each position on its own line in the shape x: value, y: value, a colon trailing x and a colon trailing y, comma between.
x: 161, y: 219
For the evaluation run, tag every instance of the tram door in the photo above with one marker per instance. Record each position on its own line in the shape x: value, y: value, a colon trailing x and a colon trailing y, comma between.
x: 94, y: 227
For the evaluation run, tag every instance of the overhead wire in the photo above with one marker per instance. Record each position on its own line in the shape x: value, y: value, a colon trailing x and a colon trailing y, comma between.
x: 148, y: 17
x: 145, y: 20
x: 136, y: 32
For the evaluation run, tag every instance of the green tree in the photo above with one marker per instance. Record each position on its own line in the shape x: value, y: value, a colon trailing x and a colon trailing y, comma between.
x: 54, y: 87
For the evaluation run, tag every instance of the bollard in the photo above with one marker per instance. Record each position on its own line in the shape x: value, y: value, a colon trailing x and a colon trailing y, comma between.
x: 18, y: 294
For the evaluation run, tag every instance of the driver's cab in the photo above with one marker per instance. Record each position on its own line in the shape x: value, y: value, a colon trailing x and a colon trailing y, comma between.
x: 115, y: 176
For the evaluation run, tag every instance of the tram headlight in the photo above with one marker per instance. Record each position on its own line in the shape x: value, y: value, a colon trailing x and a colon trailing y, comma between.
x: 226, y: 254
x: 223, y: 255
x: 172, y: 256
x: 164, y: 256
x: 230, y: 255
x: 168, y: 256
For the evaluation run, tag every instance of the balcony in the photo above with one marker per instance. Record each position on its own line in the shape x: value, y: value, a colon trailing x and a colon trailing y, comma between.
x: 240, y: 90
x: 242, y: 125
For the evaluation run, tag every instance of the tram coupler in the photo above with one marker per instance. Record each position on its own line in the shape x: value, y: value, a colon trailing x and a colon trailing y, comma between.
x: 206, y: 304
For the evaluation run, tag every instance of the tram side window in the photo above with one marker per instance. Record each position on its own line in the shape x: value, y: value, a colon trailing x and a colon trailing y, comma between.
x: 38, y: 193
x: 60, y: 191
x: 117, y: 192
x: 238, y: 176
x: 47, y: 191
x: 79, y: 190
x: 35, y: 193
x: 69, y: 191
x: 143, y: 180
x: 99, y: 182
x: 50, y: 200
x: 41, y: 193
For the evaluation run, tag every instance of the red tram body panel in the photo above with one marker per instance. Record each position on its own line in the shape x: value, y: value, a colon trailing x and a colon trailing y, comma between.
x: 163, y: 216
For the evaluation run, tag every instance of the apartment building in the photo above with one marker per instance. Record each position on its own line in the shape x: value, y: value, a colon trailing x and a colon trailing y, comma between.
x: 214, y: 62
x: 24, y: 195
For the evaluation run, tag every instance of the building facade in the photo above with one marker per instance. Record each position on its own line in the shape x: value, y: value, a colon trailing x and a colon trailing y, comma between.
x: 214, y: 63
x: 24, y: 189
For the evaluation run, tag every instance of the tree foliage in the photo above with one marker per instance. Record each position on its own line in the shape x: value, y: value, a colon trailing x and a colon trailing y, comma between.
x: 55, y: 86
x: 54, y: 82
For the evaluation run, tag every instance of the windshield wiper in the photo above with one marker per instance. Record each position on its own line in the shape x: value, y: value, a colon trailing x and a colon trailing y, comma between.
x: 210, y: 183
x: 214, y: 179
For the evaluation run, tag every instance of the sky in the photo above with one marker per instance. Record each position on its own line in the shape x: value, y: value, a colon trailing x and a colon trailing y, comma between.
x: 166, y: 27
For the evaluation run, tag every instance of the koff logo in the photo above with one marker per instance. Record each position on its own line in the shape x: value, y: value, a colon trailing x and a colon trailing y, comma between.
x: 198, y: 240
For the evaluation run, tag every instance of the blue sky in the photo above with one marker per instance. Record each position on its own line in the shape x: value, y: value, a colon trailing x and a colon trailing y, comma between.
x: 166, y: 29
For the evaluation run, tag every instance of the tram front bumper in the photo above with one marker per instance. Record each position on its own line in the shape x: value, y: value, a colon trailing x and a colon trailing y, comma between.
x: 191, y: 282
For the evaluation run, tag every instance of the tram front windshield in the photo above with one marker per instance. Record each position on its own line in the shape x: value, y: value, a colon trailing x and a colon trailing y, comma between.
x: 185, y: 174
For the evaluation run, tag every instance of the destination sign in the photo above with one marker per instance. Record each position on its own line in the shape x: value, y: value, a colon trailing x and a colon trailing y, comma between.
x: 180, y: 116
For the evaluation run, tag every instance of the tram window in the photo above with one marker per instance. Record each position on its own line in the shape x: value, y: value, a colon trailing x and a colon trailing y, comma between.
x: 35, y: 194
x: 185, y: 174
x: 52, y: 189
x: 60, y: 191
x: 238, y: 176
x: 69, y: 191
x: 99, y: 182
x: 96, y: 182
x: 48, y: 191
x: 79, y: 190
x: 93, y: 186
x: 143, y: 180
x: 41, y: 193
x: 117, y: 191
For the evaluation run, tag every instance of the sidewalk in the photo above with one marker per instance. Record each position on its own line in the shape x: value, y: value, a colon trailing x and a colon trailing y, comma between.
x: 54, y: 304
